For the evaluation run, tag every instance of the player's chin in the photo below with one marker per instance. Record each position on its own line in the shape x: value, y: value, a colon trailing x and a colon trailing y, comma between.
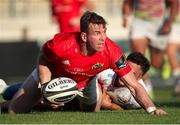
x: 100, y: 49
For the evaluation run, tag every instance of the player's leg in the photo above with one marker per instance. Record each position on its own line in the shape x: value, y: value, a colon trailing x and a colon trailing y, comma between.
x: 157, y: 57
x: 172, y: 52
x: 10, y: 91
x: 27, y: 96
x: 139, y: 45
x: 139, y: 33
x: 4, y: 105
x: 7, y: 92
x: 173, y: 56
x: 92, y: 97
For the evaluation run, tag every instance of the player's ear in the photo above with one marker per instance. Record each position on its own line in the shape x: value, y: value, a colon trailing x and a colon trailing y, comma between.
x: 84, y: 36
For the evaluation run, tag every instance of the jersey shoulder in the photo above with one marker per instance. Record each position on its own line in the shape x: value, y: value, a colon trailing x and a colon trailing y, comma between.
x: 112, y: 46
x: 61, y: 44
x: 113, y: 49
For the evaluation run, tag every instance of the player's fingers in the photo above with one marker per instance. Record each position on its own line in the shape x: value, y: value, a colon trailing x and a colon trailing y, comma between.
x: 55, y: 106
x: 162, y: 113
x: 159, y: 112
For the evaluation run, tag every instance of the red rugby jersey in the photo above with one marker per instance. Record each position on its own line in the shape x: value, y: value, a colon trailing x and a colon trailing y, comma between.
x: 65, y: 58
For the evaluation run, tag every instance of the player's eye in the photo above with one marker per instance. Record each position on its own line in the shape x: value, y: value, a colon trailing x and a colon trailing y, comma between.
x: 98, y: 33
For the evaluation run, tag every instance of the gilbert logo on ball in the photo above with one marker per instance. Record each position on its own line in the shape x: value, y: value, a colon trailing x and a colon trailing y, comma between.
x: 60, y: 90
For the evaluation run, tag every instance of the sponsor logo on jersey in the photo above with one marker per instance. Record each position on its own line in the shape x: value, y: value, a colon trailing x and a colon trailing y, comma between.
x: 121, y: 63
x: 66, y: 62
x: 79, y: 73
x: 97, y: 66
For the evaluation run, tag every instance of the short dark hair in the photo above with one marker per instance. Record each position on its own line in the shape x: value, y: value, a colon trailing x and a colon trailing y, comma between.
x: 90, y: 17
x: 139, y: 59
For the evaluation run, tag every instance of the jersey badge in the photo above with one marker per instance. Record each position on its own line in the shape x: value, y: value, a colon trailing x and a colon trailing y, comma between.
x: 66, y: 62
x: 121, y: 63
x: 97, y: 66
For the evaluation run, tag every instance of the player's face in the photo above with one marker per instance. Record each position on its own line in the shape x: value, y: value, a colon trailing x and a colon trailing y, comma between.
x: 136, y: 70
x: 96, y: 37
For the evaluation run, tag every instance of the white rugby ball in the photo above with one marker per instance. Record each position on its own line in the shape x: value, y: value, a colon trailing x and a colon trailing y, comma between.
x: 60, y: 90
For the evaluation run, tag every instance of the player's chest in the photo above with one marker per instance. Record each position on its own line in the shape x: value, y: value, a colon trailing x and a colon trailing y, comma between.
x: 78, y: 63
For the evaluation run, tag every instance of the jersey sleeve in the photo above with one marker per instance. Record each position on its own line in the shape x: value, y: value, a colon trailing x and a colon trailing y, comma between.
x: 118, y: 60
x: 82, y: 2
x: 53, y: 49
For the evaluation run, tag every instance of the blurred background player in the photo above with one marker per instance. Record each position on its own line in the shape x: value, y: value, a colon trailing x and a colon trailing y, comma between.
x: 67, y: 13
x: 150, y: 28
x: 172, y: 51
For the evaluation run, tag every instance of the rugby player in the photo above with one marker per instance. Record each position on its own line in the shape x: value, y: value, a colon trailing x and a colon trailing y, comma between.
x: 80, y: 56
x: 115, y: 91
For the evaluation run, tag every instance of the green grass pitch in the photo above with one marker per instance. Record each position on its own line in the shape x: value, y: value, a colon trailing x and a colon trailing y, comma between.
x: 163, y: 99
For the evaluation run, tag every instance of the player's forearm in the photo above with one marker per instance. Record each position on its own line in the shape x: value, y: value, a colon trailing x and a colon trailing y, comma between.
x: 173, y: 10
x: 116, y: 107
x: 143, y: 98
x: 138, y: 91
x: 127, y: 8
x: 43, y: 70
x: 111, y: 106
x: 44, y: 74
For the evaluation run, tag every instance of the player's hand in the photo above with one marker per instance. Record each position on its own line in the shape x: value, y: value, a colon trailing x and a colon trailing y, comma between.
x: 52, y: 106
x: 159, y: 112
x: 56, y: 106
x: 74, y: 22
x: 106, y: 101
x: 165, y: 29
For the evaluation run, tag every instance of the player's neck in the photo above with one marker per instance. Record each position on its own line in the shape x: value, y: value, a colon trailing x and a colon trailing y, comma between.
x: 86, y: 50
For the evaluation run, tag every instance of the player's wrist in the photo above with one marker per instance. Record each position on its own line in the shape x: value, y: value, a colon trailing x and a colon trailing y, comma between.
x: 151, y: 109
x: 41, y: 85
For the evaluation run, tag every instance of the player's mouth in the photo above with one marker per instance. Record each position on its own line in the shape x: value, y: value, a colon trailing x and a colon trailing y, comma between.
x: 101, y: 45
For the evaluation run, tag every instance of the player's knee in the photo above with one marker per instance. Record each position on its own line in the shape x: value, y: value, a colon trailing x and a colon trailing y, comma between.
x: 157, y: 64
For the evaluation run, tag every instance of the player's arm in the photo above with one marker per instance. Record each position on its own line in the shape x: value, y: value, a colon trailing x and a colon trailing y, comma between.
x: 88, y: 5
x: 53, y: 10
x: 172, y: 6
x: 107, y: 102
x: 127, y: 8
x: 140, y: 94
x: 43, y: 69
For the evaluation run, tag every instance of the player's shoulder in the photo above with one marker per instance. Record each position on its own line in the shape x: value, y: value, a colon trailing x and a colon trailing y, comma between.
x: 62, y: 43
x: 66, y: 39
x: 112, y: 46
x: 110, y: 42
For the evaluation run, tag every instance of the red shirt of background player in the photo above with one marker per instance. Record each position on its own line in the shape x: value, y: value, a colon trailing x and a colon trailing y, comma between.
x: 65, y: 58
x: 67, y: 13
